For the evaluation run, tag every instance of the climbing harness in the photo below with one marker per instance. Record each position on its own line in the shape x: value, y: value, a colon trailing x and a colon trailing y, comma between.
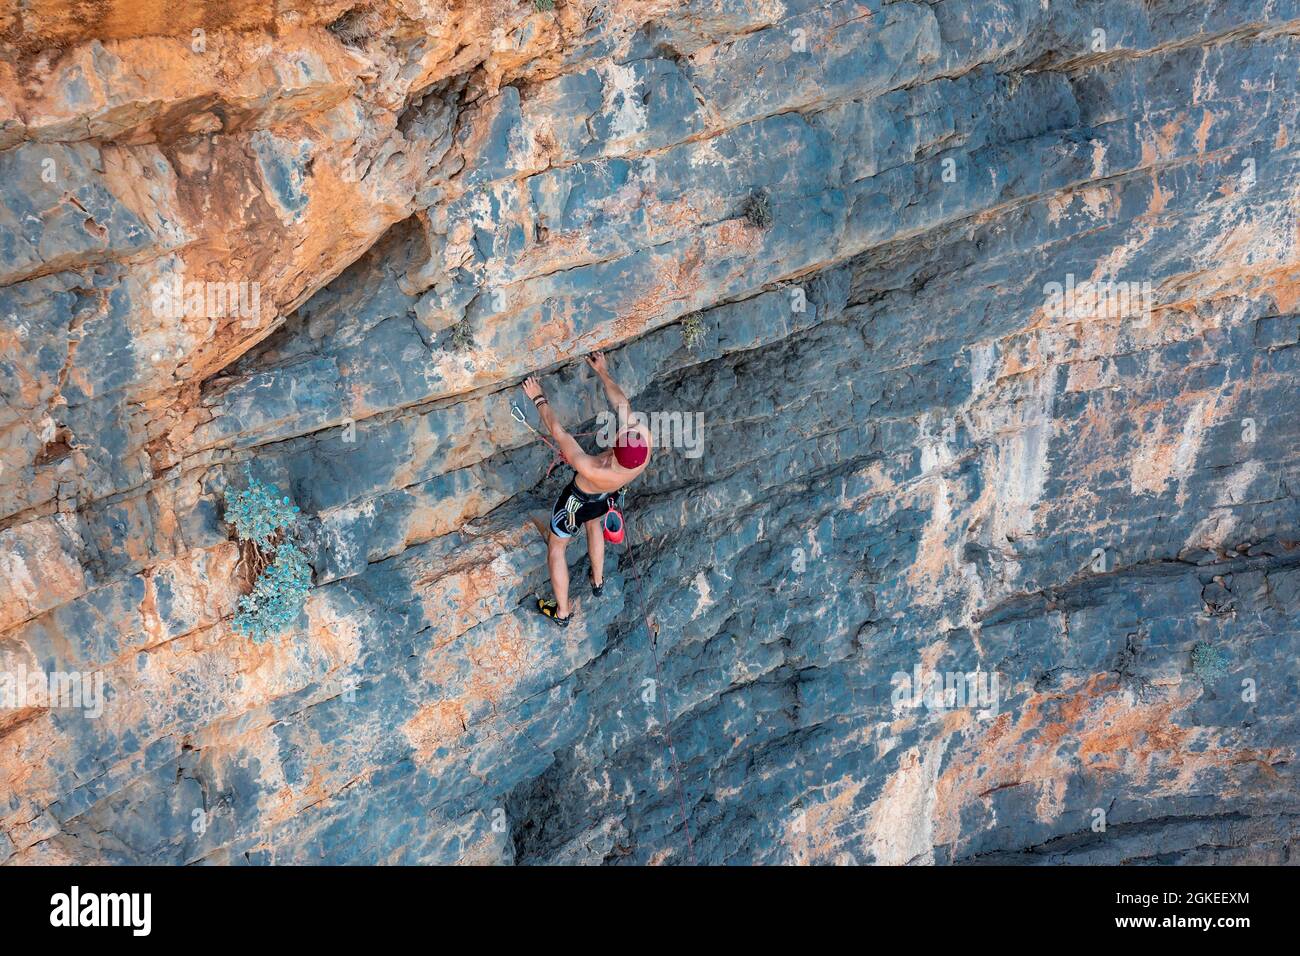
x: 571, y: 509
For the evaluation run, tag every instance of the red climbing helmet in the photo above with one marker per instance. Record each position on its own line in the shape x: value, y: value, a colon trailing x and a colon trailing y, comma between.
x: 631, y: 449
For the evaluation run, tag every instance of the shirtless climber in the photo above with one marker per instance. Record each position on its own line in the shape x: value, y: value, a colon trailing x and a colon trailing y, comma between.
x: 588, y: 496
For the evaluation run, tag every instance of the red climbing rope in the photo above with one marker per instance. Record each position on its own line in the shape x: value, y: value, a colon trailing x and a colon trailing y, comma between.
x: 517, y: 414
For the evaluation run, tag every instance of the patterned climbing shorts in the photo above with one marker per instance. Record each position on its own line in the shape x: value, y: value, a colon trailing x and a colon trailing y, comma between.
x: 575, y: 507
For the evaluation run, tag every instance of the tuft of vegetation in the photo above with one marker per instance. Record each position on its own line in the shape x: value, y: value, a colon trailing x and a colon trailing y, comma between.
x: 277, y: 596
x: 263, y: 519
x: 693, y: 331
x: 462, y: 336
x: 1208, y: 662
x: 355, y: 27
x: 758, y: 209
x: 543, y: 6
x: 259, y: 513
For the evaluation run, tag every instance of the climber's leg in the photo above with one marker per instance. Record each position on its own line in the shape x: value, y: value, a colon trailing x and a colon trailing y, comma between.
x: 558, y: 563
x: 555, y: 532
x: 596, y: 551
x: 569, y: 512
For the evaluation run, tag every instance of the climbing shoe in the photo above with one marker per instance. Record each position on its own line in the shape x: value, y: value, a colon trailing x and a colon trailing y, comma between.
x: 552, y: 610
x: 595, y: 588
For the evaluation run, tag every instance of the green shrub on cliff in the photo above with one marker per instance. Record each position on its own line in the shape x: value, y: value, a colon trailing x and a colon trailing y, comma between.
x: 262, y: 519
x: 259, y: 513
x: 277, y: 596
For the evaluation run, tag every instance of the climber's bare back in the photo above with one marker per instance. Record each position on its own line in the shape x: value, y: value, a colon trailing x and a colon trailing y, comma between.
x: 602, y: 473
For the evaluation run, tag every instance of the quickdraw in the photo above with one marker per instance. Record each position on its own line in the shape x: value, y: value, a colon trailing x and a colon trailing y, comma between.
x: 518, y: 415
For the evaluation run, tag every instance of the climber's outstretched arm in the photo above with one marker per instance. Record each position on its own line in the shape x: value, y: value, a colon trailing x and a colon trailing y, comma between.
x: 617, y: 397
x: 578, y: 459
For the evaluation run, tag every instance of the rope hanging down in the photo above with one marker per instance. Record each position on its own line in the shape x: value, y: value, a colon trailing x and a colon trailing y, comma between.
x: 652, y: 631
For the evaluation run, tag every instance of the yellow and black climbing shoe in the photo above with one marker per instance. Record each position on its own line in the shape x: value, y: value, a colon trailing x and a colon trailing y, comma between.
x: 552, y: 610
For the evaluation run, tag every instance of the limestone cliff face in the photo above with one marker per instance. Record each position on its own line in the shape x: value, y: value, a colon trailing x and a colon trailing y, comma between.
x: 912, y: 461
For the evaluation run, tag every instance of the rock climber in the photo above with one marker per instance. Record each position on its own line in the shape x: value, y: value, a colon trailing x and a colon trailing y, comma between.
x: 589, y: 494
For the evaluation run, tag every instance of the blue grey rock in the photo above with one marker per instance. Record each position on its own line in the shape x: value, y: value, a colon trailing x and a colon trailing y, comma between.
x: 911, y: 465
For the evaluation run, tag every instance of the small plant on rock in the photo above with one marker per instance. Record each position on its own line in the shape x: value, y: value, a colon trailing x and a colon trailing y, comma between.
x: 277, y: 596
x: 262, y: 519
x: 543, y: 6
x: 1208, y: 662
x: 259, y: 513
x: 758, y: 209
x: 462, y: 336
x: 693, y: 331
x: 357, y: 26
